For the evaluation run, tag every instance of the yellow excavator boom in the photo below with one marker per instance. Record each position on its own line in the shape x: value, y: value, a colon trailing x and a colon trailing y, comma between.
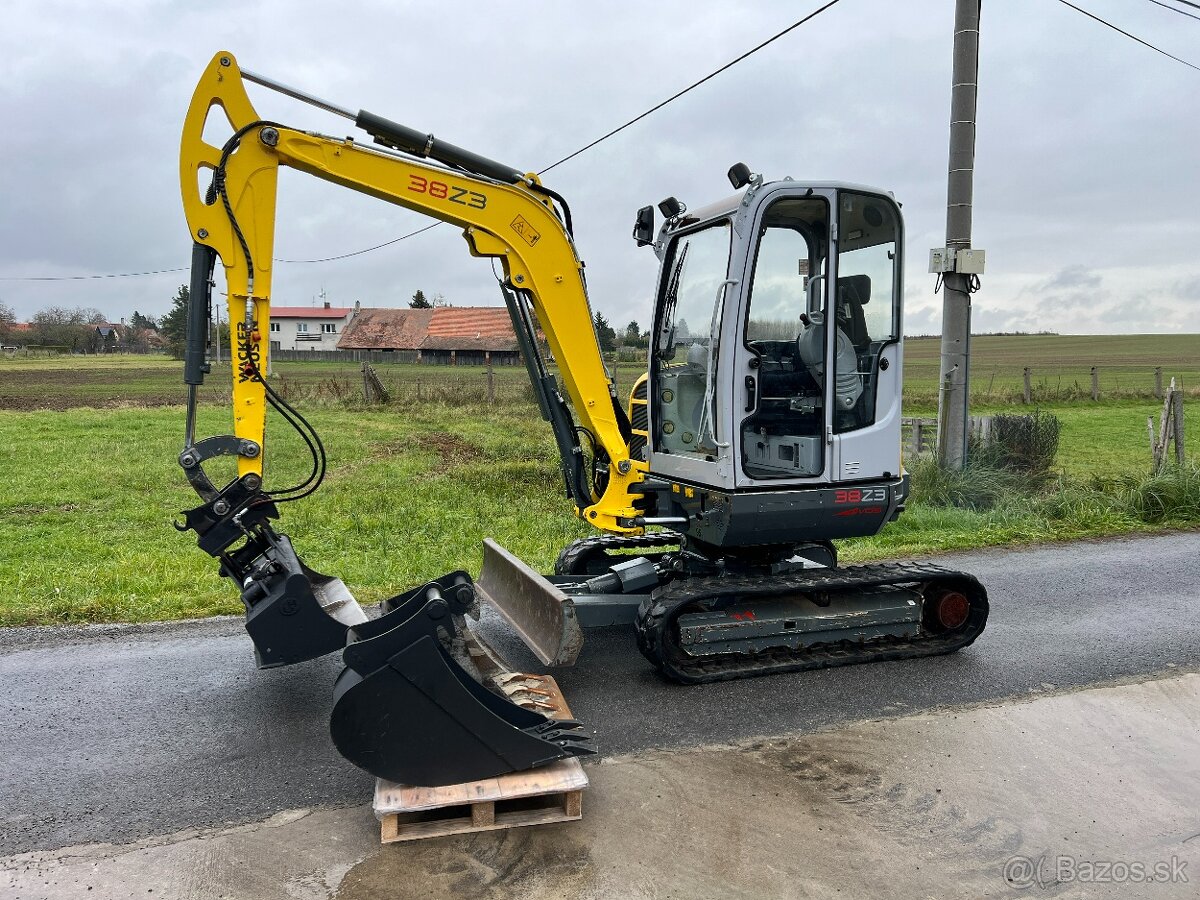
x: 514, y: 223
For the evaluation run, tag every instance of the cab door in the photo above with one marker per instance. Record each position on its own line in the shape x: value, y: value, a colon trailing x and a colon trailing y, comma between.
x: 782, y: 397
x: 817, y: 360
x: 689, y: 366
x: 868, y: 359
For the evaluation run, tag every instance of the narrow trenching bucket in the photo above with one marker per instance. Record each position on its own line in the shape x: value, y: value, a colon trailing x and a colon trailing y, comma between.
x: 293, y: 613
x: 406, y: 710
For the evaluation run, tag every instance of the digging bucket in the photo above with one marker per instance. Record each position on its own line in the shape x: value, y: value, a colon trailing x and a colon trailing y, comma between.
x: 405, y: 709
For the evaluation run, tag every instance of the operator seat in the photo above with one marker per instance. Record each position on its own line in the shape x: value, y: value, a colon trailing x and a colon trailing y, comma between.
x: 854, y: 292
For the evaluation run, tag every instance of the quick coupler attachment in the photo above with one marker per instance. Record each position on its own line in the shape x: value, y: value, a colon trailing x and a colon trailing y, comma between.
x: 405, y: 709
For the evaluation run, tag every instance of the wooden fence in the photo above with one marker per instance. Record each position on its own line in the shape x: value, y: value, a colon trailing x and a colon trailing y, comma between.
x: 1170, y: 429
x: 1133, y: 384
x: 920, y: 435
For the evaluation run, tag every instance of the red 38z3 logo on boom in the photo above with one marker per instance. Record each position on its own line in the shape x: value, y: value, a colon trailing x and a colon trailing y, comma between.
x: 442, y: 191
x: 856, y: 498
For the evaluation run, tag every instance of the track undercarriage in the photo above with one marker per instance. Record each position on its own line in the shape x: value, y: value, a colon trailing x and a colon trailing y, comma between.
x: 718, y: 620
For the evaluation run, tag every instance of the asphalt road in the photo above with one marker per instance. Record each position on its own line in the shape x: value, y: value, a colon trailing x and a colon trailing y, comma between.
x: 117, y: 733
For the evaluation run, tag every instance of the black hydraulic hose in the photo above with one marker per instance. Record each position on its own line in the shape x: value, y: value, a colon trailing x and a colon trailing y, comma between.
x: 557, y: 198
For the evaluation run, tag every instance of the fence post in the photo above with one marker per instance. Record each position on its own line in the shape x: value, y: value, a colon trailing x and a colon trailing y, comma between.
x: 1158, y: 382
x: 917, y: 427
x: 1177, y: 412
x: 1028, y: 395
x: 491, y: 378
x: 1095, y: 384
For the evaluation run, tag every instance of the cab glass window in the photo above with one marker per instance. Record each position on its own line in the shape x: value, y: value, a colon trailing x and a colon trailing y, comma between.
x: 686, y: 341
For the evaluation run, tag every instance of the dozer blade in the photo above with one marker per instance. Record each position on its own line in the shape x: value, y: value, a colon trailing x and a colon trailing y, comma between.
x: 407, y: 711
x: 541, y: 614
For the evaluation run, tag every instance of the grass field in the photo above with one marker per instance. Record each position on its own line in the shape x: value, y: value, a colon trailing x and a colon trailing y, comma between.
x: 89, y: 485
x: 1060, y: 364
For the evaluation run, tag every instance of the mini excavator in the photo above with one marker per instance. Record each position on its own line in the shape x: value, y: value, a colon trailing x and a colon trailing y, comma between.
x: 766, y: 426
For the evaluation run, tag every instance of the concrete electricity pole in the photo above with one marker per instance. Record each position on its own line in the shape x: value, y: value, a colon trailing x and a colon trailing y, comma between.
x: 957, y: 263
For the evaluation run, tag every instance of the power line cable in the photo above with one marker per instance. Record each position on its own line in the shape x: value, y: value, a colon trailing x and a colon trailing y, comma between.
x: 89, y: 277
x: 692, y: 86
x: 402, y: 237
x: 1128, y: 35
x: 569, y: 156
x: 1176, y: 9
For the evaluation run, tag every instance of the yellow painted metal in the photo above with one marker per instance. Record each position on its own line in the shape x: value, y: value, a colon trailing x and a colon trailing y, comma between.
x: 511, y: 223
x: 251, y: 182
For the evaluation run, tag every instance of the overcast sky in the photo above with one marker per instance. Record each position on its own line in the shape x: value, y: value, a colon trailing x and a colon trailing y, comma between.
x: 1086, y: 190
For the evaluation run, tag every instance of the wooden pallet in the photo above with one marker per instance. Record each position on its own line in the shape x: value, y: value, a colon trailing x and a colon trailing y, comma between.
x: 552, y: 793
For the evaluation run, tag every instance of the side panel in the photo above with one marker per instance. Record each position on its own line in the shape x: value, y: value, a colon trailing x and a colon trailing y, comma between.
x: 790, y: 516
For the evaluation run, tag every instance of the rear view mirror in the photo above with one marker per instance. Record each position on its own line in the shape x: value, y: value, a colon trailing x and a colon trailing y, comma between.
x: 643, y: 228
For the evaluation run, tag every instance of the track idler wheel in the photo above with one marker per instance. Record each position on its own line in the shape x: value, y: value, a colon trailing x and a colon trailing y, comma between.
x: 406, y: 710
x: 946, y: 609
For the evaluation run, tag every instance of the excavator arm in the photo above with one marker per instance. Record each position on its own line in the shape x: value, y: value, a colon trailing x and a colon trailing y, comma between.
x: 229, y: 196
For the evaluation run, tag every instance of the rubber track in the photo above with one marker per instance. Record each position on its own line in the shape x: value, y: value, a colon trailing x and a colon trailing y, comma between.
x: 577, y: 551
x: 656, y: 618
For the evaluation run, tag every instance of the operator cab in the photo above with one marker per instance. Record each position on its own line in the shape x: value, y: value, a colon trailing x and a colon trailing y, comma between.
x: 776, y: 358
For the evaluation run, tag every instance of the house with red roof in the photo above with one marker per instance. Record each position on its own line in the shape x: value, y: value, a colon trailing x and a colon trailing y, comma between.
x: 447, y: 335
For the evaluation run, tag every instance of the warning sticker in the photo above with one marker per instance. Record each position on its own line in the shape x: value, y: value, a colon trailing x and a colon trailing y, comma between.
x: 525, y: 230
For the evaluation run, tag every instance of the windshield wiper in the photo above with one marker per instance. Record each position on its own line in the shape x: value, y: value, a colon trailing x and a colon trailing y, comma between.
x: 666, y: 348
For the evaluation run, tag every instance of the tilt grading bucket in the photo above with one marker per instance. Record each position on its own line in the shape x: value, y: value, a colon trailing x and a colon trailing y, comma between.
x: 411, y: 705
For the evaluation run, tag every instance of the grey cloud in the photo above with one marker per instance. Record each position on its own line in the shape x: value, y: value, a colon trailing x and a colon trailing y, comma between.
x: 1084, y: 159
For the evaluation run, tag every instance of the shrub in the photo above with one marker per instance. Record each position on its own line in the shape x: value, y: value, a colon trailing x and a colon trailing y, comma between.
x: 1025, y: 444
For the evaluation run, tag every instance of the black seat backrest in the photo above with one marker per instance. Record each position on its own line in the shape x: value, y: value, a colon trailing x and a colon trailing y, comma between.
x: 854, y: 292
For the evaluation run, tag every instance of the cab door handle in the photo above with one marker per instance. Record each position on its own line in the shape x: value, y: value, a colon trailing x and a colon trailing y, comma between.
x: 751, y: 393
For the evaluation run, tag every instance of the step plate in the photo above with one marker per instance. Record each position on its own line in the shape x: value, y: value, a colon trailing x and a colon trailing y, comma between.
x: 798, y: 622
x: 539, y: 612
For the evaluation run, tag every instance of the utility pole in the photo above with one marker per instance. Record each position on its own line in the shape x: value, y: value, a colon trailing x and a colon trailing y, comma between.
x: 957, y: 263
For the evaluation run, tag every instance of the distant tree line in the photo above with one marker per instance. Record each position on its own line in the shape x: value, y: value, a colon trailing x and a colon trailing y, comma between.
x: 631, y: 336
x: 77, y: 329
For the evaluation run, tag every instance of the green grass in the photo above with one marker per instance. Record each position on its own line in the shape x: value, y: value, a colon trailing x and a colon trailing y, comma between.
x: 89, y: 485
x: 89, y: 497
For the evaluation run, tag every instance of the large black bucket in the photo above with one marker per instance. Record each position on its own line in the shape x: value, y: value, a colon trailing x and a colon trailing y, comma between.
x: 406, y: 710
